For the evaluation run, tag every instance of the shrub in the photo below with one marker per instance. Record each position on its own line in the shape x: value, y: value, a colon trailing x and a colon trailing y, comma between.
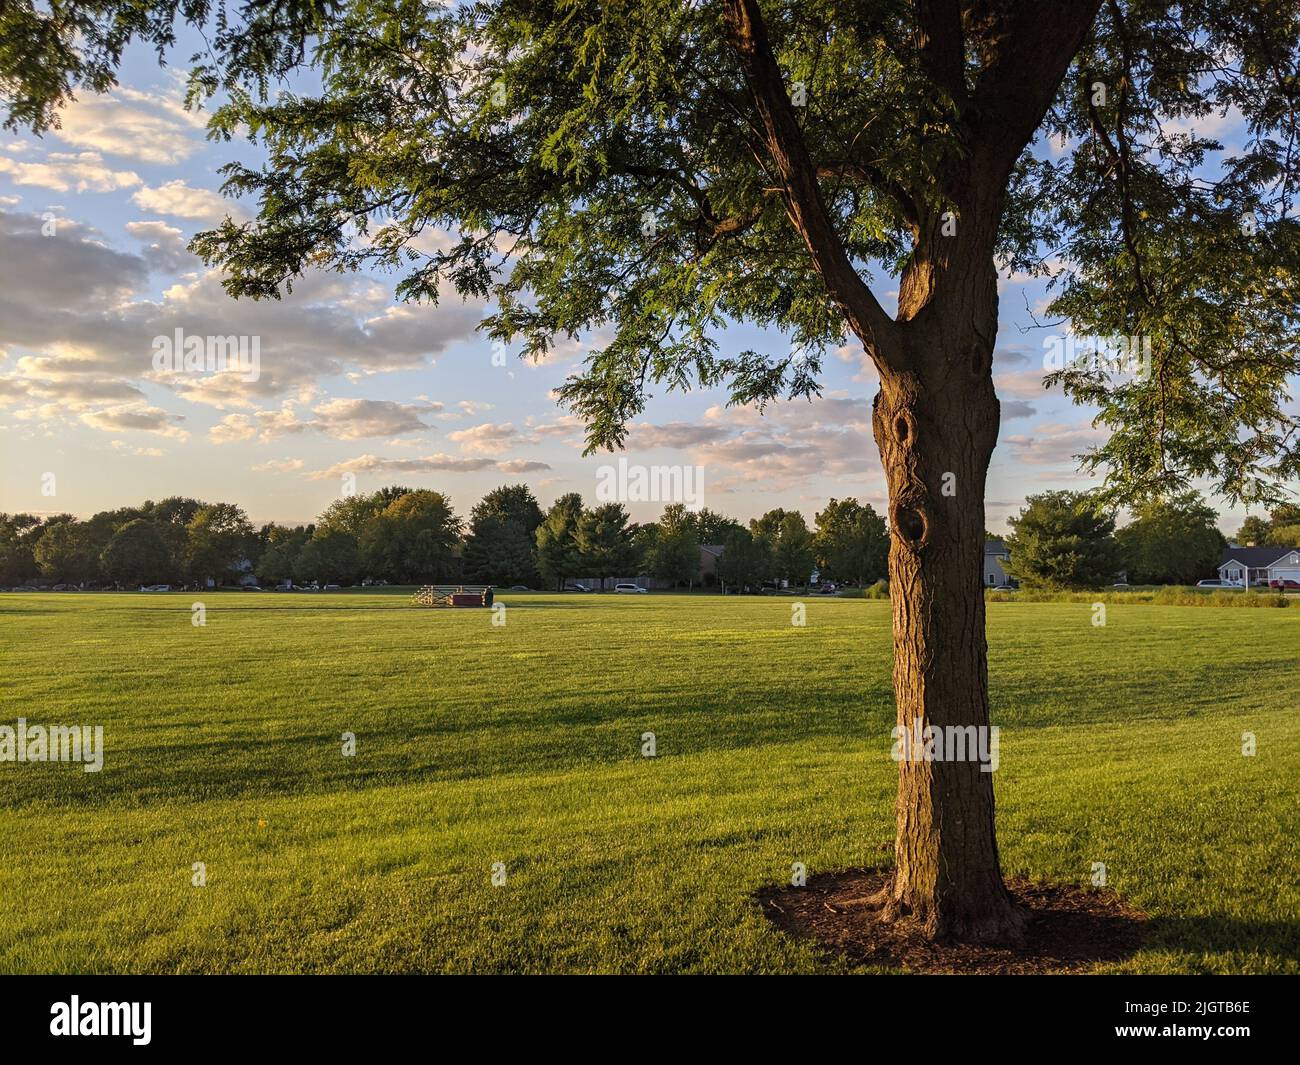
x: 879, y: 590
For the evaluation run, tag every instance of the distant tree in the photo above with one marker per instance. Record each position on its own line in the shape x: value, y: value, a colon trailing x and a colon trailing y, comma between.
x: 557, y: 540
x: 712, y: 527
x: 18, y: 532
x: 1059, y: 540
x: 138, y: 554
x: 746, y: 561
x: 172, y: 516
x: 330, y: 557
x: 413, y: 540
x: 511, y: 502
x: 674, y: 554
x: 851, y: 542
x: 793, y: 552
x: 790, y: 542
x: 500, y: 551
x: 355, y: 513
x: 1284, y: 525
x: 220, y: 537
x: 1254, y: 530
x: 1285, y: 535
x: 768, y: 525
x: 605, y: 543
x: 66, y: 551
x: 278, y: 559
x: 1174, y: 541
x: 501, y: 547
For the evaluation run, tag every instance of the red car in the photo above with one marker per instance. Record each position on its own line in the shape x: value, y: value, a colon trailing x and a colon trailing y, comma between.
x: 1285, y: 585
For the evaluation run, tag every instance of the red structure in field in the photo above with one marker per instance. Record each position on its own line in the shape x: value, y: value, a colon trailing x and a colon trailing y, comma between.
x: 453, y: 595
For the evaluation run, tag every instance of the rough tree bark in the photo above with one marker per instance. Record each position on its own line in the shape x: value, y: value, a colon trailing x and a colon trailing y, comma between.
x: 936, y: 426
x: 936, y: 416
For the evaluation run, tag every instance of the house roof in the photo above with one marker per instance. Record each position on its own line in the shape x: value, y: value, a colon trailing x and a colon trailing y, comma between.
x: 1255, y: 557
x: 713, y: 549
x: 995, y: 547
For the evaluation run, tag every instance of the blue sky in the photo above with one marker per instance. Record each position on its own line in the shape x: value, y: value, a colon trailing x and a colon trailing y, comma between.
x: 353, y: 382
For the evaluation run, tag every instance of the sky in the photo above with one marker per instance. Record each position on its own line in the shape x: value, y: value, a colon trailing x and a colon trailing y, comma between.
x: 356, y: 390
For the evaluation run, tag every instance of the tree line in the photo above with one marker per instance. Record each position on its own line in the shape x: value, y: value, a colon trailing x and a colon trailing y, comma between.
x: 1064, y: 540
x: 412, y: 536
x: 402, y: 535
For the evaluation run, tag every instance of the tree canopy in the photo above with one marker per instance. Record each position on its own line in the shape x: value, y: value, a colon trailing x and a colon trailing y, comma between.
x: 659, y: 169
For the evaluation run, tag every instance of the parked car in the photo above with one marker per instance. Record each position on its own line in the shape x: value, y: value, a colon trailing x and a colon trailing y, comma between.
x: 579, y: 588
x: 156, y: 588
x: 1284, y: 584
x: 1219, y: 584
x: 629, y: 589
x: 520, y: 588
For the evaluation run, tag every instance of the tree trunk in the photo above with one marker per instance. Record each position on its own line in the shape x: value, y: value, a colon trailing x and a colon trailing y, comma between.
x: 936, y: 429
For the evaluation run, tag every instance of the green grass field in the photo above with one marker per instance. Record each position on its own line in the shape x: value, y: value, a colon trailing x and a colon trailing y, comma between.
x: 522, y: 745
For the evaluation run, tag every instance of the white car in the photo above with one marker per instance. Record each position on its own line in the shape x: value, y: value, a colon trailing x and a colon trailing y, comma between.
x: 629, y: 589
x: 1218, y: 584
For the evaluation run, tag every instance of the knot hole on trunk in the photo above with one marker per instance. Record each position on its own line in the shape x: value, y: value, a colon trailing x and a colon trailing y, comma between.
x: 911, y: 525
x: 904, y: 427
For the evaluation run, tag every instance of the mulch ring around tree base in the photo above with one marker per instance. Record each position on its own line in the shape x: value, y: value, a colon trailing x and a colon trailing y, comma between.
x: 1071, y: 928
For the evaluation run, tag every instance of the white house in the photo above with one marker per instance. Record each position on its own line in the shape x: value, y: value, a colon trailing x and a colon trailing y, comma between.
x: 1253, y: 566
x: 995, y: 553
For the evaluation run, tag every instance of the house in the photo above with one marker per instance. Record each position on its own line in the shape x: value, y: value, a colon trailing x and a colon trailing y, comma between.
x: 995, y: 553
x: 1253, y: 565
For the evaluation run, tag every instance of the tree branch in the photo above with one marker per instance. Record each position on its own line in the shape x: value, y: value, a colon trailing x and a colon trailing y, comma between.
x: 940, y: 45
x: 788, y: 154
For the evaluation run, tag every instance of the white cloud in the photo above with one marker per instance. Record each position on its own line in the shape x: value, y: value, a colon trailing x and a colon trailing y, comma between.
x: 179, y: 200
x: 138, y: 125
x: 83, y: 172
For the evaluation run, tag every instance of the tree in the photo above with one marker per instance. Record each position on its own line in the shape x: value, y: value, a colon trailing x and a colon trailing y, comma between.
x: 674, y: 551
x: 1173, y: 541
x: 604, y: 541
x: 499, y: 551
x: 137, y: 554
x: 1254, y: 530
x: 851, y: 542
x: 712, y: 527
x: 557, y: 547
x: 220, y: 537
x: 354, y: 513
x: 278, y: 561
x: 793, y: 553
x: 413, y: 540
x: 331, y: 557
x: 1061, y: 540
x: 18, y: 533
x: 66, y: 551
x: 501, y: 546
x: 745, y: 562
x: 661, y: 169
